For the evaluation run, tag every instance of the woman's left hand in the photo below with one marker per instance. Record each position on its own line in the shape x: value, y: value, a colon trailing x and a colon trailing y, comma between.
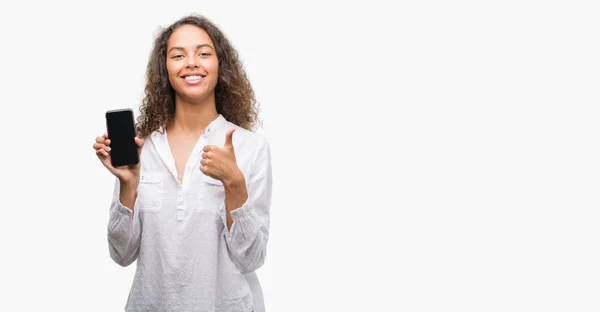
x: 219, y: 162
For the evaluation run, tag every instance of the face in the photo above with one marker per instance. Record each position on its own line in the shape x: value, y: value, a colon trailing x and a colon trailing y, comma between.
x: 192, y: 63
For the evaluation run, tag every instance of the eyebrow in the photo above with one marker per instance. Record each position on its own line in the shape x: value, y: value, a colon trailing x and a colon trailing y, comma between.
x: 197, y: 47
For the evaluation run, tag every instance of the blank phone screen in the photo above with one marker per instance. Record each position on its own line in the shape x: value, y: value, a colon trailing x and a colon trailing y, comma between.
x: 121, y: 132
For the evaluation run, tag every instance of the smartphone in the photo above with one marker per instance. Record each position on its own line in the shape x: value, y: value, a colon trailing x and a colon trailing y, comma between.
x: 120, y: 127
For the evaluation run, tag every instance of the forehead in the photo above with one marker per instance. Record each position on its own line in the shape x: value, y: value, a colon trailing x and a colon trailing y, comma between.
x: 189, y: 36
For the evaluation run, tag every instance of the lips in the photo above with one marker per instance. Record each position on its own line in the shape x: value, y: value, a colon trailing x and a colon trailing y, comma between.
x: 193, y: 79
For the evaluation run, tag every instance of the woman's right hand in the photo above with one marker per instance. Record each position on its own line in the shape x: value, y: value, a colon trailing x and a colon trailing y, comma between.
x: 126, y: 174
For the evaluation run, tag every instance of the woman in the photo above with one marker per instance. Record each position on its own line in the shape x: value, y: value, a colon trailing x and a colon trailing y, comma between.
x: 194, y: 212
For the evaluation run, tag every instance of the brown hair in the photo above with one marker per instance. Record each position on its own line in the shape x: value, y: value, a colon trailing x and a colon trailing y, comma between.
x: 234, y: 96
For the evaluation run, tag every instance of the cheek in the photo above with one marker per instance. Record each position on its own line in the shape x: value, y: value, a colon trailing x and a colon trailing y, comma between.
x: 170, y: 69
x: 172, y: 73
x: 214, y: 71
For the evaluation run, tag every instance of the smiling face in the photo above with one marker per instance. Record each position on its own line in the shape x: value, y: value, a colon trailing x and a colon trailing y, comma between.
x: 192, y: 63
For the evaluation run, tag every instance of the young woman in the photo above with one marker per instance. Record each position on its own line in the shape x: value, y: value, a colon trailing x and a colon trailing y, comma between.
x: 195, y: 212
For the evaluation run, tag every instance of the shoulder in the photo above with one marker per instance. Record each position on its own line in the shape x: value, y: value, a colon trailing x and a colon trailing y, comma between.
x: 153, y: 138
x: 154, y: 135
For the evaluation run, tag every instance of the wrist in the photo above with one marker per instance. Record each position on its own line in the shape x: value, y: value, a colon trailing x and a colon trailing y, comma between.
x: 129, y: 184
x: 128, y: 193
x: 234, y: 181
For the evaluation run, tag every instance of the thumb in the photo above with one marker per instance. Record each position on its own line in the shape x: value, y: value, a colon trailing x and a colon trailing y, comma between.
x: 140, y: 144
x: 229, y: 138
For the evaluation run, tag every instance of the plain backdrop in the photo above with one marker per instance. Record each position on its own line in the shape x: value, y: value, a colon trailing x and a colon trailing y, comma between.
x: 427, y: 155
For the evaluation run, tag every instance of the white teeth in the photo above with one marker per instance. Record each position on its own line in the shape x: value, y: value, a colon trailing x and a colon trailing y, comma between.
x: 193, y: 77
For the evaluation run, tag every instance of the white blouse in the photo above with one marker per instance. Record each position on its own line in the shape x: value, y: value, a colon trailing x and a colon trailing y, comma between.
x: 187, y: 259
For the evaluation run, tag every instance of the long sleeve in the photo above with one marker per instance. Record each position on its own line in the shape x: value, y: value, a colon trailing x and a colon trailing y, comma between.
x: 247, y: 239
x: 123, y: 231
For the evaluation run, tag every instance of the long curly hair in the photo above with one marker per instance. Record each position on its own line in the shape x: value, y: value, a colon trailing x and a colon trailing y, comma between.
x: 234, y: 96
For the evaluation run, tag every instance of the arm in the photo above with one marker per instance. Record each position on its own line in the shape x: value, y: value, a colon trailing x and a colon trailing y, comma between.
x: 247, y: 211
x: 124, y: 225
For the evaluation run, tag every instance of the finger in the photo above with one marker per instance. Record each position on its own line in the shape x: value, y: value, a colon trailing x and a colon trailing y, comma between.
x: 207, y: 155
x: 207, y: 148
x: 139, y: 142
x: 101, y: 146
x: 105, y: 136
x: 205, y: 162
x: 100, y: 140
x: 101, y: 152
x: 229, y: 138
x: 107, y: 142
x: 204, y: 169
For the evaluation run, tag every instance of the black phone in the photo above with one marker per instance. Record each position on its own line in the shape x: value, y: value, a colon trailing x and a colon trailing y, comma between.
x: 120, y: 127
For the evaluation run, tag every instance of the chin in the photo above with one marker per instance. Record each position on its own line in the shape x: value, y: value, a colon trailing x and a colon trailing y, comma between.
x: 195, y: 96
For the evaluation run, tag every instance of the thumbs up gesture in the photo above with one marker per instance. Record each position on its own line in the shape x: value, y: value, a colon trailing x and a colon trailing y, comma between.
x: 219, y: 162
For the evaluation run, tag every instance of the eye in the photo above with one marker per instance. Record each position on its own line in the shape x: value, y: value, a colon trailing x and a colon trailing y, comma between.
x: 177, y: 56
x: 204, y: 54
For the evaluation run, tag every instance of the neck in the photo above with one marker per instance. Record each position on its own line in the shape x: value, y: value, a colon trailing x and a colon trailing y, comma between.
x: 193, y: 117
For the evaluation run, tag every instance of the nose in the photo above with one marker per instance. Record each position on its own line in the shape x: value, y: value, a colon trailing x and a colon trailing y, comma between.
x: 191, y: 62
